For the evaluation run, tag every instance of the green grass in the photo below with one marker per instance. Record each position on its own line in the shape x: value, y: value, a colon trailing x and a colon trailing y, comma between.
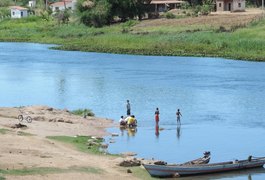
x: 1, y: 177
x: 49, y: 170
x: 4, y: 131
x: 141, y: 173
x: 21, y: 133
x: 79, y: 142
x: 81, y: 112
x: 247, y: 43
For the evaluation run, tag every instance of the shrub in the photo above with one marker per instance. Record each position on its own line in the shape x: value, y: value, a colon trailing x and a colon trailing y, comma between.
x: 5, y: 3
x: 170, y: 15
x: 4, y: 12
x: 185, y: 5
x: 83, y: 112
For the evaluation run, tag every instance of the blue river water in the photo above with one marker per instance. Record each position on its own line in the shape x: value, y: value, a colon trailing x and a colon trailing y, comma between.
x: 222, y: 101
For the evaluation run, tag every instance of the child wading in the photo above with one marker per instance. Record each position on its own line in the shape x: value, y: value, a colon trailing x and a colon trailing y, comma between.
x: 157, y: 115
x: 178, y: 113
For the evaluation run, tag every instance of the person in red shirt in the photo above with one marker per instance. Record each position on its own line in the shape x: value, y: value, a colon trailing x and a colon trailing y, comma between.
x: 157, y: 115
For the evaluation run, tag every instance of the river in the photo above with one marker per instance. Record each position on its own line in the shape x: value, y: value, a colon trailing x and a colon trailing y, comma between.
x: 222, y: 101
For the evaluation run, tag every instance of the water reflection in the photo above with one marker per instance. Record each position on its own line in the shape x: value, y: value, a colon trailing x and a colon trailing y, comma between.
x: 241, y: 174
x: 157, y: 130
x: 178, y: 131
x: 249, y: 177
x: 130, y: 131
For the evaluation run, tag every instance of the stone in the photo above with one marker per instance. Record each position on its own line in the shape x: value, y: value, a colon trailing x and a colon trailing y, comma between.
x: 104, y: 146
x: 49, y: 109
x: 69, y: 121
x: 19, y: 125
x: 129, y: 171
x: 128, y: 154
x: 112, y: 141
x: 130, y: 163
x: 114, y: 134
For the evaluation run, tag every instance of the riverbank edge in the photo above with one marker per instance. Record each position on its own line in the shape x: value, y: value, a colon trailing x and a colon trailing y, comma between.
x: 63, y: 47
x: 7, y: 118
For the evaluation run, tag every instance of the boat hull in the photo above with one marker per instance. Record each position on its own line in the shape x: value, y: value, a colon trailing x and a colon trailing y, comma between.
x: 175, y: 171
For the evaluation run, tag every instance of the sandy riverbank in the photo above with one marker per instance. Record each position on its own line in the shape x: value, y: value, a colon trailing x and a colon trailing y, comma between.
x: 36, y: 151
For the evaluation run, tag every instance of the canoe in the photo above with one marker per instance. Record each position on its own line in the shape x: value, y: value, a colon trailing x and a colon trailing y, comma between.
x: 202, y: 160
x: 197, y: 169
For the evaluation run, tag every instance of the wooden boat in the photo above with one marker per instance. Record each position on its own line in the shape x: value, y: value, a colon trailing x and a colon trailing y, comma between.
x: 196, y: 169
x: 202, y: 160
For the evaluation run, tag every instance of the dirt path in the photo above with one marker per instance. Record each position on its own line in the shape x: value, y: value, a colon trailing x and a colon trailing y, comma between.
x: 20, y: 151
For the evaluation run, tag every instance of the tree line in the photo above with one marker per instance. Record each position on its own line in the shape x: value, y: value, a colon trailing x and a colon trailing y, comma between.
x: 101, y: 12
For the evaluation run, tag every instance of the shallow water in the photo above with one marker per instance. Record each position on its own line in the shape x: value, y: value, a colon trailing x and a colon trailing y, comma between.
x: 222, y: 101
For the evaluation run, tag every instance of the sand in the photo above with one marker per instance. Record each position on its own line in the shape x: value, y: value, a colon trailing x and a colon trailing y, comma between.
x: 36, y: 151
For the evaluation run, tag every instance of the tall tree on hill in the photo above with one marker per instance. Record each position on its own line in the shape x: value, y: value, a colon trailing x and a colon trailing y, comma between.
x: 128, y: 9
x: 94, y: 12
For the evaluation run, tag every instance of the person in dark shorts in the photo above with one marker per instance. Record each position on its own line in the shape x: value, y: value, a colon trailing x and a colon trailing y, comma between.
x: 178, y: 113
x: 128, y: 107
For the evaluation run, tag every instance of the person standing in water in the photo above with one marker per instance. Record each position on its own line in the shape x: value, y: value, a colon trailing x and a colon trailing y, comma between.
x: 178, y: 113
x: 157, y: 115
x: 128, y: 107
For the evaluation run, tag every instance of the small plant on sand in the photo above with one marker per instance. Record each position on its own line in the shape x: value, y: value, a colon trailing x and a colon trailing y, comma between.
x: 83, y: 112
x: 48, y: 170
x: 82, y: 143
x: 3, y: 131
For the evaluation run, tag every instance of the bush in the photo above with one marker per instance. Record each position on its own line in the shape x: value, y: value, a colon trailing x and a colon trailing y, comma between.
x: 5, y: 3
x: 94, y: 13
x: 62, y: 16
x: 83, y: 112
x: 205, y: 9
x: 4, y: 12
x: 185, y: 5
x: 170, y: 15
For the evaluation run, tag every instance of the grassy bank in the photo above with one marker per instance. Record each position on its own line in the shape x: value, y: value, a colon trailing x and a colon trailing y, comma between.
x: 81, y: 143
x: 49, y: 170
x: 244, y: 41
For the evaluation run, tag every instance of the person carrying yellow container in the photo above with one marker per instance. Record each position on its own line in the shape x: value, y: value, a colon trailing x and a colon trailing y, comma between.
x: 131, y: 121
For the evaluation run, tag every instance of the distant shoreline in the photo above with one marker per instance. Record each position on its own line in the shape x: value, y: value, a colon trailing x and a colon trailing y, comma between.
x: 204, y: 36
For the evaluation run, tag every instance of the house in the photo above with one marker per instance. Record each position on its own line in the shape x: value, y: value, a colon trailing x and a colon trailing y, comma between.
x: 32, y: 4
x: 165, y: 5
x: 18, y: 12
x: 230, y: 5
x: 62, y: 5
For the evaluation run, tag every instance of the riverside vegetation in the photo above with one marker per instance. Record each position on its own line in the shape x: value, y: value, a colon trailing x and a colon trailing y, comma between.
x: 244, y: 39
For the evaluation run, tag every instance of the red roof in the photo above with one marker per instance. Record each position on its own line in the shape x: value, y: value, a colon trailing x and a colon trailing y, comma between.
x: 61, y: 3
x: 18, y: 8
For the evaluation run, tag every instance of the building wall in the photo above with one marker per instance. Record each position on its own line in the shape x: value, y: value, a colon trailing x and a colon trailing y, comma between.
x: 32, y: 4
x: 239, y: 5
x: 219, y: 5
x: 61, y: 8
x: 15, y: 13
x: 230, y: 5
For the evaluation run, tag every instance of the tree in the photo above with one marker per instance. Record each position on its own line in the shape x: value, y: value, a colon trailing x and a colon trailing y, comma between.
x: 94, y: 13
x: 128, y: 9
x: 101, y: 12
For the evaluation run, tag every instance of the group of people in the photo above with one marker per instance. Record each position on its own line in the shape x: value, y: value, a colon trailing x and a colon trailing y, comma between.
x: 130, y: 120
x: 178, y: 114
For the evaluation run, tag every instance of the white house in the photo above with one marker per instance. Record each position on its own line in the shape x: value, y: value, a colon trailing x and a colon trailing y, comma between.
x: 59, y: 6
x: 18, y: 12
x: 32, y: 3
x: 230, y: 5
x: 165, y: 5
